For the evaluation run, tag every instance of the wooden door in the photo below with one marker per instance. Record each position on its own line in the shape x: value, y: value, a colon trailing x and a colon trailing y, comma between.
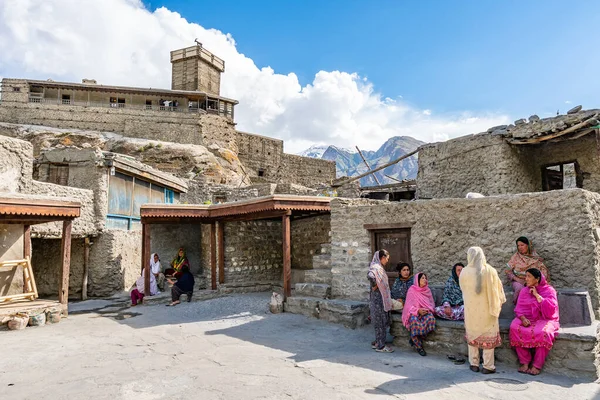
x: 397, y: 243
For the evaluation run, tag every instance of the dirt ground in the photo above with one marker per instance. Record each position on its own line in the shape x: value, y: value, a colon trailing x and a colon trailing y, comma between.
x: 233, y: 348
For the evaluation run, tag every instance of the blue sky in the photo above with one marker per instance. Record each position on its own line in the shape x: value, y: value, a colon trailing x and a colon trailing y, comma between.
x: 515, y: 57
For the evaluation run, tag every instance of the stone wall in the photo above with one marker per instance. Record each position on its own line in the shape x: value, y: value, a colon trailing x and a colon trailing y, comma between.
x: 47, y: 266
x: 16, y: 164
x: 487, y: 164
x: 199, y: 193
x: 482, y: 163
x: 307, y: 236
x: 166, y: 239
x: 306, y: 171
x: 253, y: 252
x: 562, y: 225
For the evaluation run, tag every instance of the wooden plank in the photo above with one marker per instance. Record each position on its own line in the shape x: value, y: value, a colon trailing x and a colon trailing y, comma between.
x: 86, y: 266
x: 27, y: 241
x: 213, y: 256
x: 367, y: 164
x: 287, y: 256
x: 63, y: 291
x: 22, y: 296
x: 146, y: 258
x: 376, y: 227
x: 221, y: 252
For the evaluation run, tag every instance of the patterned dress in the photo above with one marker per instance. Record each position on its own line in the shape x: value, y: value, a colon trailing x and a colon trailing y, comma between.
x: 401, y: 287
x: 453, y: 299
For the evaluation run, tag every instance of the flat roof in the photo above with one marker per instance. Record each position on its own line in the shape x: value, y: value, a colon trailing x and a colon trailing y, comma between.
x: 126, y: 89
x: 34, y: 209
x: 258, y: 208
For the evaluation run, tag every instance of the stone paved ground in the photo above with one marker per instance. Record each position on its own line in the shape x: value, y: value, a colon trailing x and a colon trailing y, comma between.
x: 232, y: 348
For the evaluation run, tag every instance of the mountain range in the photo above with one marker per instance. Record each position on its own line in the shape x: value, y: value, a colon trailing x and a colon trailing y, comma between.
x: 349, y: 163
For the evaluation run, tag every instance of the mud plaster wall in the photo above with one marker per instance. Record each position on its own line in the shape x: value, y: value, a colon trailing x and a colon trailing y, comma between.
x: 16, y: 164
x: 307, y: 235
x: 561, y: 224
x: 166, y: 239
x: 47, y: 266
x: 11, y: 248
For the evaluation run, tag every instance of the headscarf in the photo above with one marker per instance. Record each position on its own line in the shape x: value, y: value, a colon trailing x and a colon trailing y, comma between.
x: 377, y: 272
x: 179, y: 261
x: 154, y: 266
x: 452, y: 292
x: 519, y: 263
x: 528, y: 305
x: 486, y: 273
x: 417, y: 297
x: 139, y: 284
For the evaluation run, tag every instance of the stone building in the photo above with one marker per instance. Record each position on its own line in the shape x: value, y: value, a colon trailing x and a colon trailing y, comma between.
x: 192, y: 112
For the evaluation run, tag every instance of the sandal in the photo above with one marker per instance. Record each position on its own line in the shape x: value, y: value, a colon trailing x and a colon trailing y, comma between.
x: 385, y: 349
x: 421, y: 352
x: 451, y: 357
x: 374, y: 344
x: 459, y: 361
x: 523, y: 369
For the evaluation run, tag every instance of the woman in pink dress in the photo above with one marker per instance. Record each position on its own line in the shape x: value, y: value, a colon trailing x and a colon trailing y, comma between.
x: 536, y: 323
x: 525, y: 258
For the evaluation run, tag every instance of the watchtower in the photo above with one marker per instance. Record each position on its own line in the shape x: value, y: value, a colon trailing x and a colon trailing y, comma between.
x: 196, y: 69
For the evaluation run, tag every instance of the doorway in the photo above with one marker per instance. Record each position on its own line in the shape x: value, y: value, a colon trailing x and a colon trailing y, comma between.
x: 561, y: 176
x: 395, y: 238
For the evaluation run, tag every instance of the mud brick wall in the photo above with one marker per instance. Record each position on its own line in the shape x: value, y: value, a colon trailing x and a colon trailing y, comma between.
x: 562, y: 225
x: 307, y: 236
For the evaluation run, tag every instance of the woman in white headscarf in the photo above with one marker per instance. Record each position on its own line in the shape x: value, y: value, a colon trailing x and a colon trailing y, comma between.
x: 155, y: 267
x: 483, y: 295
x: 380, y: 300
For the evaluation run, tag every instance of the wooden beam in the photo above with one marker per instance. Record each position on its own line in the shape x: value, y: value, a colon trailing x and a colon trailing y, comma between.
x: 63, y: 291
x: 221, y: 250
x: 146, y: 257
x: 26, y: 251
x: 354, y: 178
x: 367, y: 164
x: 213, y: 256
x: 574, y: 128
x: 287, y: 256
x: 86, y: 267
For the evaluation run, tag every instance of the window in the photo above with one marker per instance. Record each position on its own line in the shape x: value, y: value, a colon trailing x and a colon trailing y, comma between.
x: 16, y: 89
x: 66, y: 99
x: 148, y: 104
x: 562, y: 176
x: 261, y: 172
x: 58, y: 174
x: 219, y: 198
x: 126, y: 194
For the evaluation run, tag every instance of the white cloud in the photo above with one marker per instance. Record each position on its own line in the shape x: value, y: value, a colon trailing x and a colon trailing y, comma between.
x: 119, y: 42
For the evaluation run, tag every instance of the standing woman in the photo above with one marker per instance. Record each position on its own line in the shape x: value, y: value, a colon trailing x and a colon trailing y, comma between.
x: 380, y: 301
x: 417, y: 315
x: 534, y: 328
x: 483, y: 295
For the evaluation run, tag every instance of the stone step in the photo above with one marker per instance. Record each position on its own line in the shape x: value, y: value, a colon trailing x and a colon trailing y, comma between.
x: 320, y: 290
x: 572, y: 354
x: 325, y: 248
x: 321, y: 261
x: 318, y: 276
x: 352, y: 314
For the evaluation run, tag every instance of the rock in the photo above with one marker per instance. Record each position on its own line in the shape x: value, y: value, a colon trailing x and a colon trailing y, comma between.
x: 520, y: 122
x: 534, y: 118
x: 575, y: 109
x: 497, y: 128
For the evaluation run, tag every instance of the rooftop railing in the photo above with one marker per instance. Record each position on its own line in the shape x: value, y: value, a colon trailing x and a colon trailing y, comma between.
x: 223, y: 110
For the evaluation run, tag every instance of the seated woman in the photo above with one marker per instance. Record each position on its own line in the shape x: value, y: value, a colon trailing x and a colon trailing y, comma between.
x: 536, y: 323
x: 177, y: 264
x: 137, y: 294
x: 403, y: 282
x: 417, y: 315
x: 155, y: 267
x: 453, y: 305
x: 184, y: 285
x: 521, y: 261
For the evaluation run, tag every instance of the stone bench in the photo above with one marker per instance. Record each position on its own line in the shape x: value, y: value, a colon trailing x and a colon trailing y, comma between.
x: 352, y: 314
x: 575, y: 305
x: 573, y: 354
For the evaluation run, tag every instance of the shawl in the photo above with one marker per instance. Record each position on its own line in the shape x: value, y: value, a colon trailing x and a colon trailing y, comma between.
x: 519, y: 263
x: 401, y: 286
x: 377, y: 273
x: 417, y: 297
x: 179, y: 262
x: 154, y: 266
x: 528, y: 306
x: 452, y: 292
x: 544, y: 318
x: 139, y: 284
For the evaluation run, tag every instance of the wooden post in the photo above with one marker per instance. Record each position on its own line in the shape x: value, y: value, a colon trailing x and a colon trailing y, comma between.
x: 287, y: 257
x: 146, y: 257
x: 221, y: 247
x: 86, y: 266
x: 63, y: 291
x: 26, y: 251
x: 213, y: 256
x: 367, y: 164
